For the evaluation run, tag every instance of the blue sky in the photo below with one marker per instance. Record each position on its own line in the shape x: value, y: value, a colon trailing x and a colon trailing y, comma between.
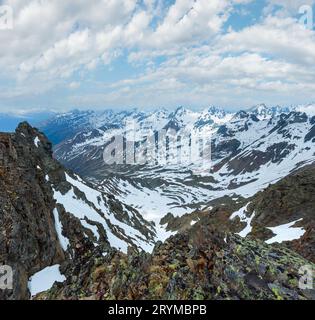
x: 151, y: 53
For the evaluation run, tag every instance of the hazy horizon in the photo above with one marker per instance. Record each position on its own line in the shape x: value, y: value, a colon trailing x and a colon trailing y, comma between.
x: 50, y: 111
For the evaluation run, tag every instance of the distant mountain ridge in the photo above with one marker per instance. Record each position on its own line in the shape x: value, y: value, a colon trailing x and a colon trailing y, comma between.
x: 66, y: 125
x: 62, y: 126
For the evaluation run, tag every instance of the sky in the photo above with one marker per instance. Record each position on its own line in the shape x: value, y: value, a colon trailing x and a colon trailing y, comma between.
x: 60, y: 55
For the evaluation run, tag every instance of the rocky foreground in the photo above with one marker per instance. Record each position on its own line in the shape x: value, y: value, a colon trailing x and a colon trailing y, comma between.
x: 201, y: 264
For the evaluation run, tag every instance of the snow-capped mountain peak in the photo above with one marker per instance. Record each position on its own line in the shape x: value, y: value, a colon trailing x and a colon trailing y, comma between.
x: 309, y: 109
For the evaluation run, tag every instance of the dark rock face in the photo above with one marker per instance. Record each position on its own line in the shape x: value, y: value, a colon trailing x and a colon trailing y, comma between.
x: 29, y: 179
x: 225, y: 147
x: 310, y: 135
x: 289, y: 200
x: 200, y: 264
x: 28, y: 240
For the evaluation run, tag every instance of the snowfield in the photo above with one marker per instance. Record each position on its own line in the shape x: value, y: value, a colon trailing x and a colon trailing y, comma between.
x: 286, y: 232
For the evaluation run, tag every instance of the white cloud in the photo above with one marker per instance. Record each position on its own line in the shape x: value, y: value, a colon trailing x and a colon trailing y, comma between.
x: 281, y: 38
x: 190, y: 21
x: 201, y: 78
x: 60, y: 43
x: 48, y: 33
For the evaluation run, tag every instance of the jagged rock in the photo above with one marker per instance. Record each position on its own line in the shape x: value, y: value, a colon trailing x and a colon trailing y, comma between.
x: 50, y: 216
x: 28, y: 240
x: 200, y: 264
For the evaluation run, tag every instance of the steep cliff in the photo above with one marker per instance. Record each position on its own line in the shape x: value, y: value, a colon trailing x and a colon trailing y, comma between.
x: 28, y: 239
x: 48, y: 215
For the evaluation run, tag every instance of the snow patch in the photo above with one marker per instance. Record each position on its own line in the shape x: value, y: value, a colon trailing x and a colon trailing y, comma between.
x: 36, y: 142
x: 308, y: 109
x: 241, y: 213
x: 285, y: 232
x: 64, y: 242
x: 97, y: 198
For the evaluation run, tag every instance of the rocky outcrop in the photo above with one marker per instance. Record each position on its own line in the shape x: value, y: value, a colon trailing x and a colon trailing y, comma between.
x: 50, y: 216
x: 291, y: 199
x: 200, y: 264
x: 28, y: 240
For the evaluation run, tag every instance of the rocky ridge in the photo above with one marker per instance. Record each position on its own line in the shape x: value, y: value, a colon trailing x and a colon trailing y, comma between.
x: 47, y: 214
x: 195, y: 265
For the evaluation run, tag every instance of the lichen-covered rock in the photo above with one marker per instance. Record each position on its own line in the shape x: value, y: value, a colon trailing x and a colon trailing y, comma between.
x: 291, y: 199
x: 200, y: 264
